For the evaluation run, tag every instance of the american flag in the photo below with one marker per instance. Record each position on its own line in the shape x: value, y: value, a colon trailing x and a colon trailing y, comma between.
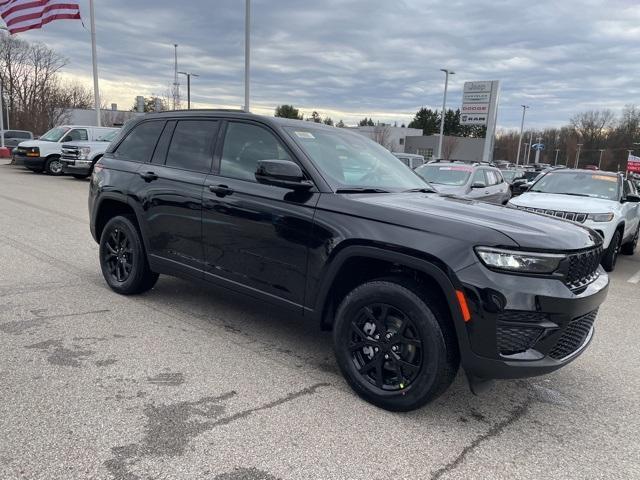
x: 22, y: 15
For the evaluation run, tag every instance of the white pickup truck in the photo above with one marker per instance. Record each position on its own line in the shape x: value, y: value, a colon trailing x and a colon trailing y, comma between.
x: 44, y: 153
x: 78, y: 158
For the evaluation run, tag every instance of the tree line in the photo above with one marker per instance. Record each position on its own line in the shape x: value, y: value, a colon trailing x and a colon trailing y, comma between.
x: 599, y: 133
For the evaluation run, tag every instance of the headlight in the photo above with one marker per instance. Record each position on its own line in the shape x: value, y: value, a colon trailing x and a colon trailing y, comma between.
x: 515, y: 261
x: 83, y: 153
x: 600, y: 217
x: 33, y: 152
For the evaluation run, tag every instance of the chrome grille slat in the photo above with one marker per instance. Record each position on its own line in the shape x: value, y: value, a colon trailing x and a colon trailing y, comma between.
x: 572, y: 216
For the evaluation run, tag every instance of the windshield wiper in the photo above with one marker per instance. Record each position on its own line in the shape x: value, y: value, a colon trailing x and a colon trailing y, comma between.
x: 563, y: 193
x: 420, y: 190
x: 361, y: 190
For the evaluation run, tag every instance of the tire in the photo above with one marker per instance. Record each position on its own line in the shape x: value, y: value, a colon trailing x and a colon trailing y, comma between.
x: 610, y: 256
x: 53, y: 166
x: 629, y: 248
x: 80, y: 177
x: 123, y: 259
x: 425, y: 343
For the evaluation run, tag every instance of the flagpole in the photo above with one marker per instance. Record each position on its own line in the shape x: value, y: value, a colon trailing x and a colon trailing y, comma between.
x: 94, y: 58
x: 247, y: 53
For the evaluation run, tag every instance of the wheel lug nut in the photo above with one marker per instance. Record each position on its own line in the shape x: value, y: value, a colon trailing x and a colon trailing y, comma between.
x: 376, y: 349
x: 394, y: 348
x: 386, y: 356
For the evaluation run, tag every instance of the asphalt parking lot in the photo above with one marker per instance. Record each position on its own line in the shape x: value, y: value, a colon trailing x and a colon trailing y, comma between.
x: 187, y: 382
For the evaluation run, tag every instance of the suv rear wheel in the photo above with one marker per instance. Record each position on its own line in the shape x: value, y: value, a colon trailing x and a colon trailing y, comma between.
x: 393, y: 344
x: 123, y: 259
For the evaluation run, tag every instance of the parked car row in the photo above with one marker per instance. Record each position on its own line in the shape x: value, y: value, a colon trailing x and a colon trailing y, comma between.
x: 45, y: 154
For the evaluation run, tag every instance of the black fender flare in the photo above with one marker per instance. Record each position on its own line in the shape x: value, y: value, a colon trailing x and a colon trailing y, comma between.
x: 425, y: 266
x: 120, y: 198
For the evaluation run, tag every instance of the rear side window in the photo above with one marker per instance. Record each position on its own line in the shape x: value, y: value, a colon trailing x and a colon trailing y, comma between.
x: 192, y: 144
x: 13, y: 134
x: 498, y: 175
x: 138, y: 146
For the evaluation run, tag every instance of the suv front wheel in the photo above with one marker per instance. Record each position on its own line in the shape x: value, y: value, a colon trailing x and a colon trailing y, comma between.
x: 610, y: 256
x: 123, y: 259
x: 393, y: 344
x: 54, y: 166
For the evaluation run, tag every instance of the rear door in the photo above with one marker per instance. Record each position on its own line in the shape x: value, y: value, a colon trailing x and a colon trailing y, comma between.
x: 630, y: 210
x: 256, y: 236
x: 169, y: 190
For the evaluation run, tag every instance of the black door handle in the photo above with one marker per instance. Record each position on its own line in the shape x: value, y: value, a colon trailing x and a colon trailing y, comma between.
x: 221, y: 190
x: 148, y: 176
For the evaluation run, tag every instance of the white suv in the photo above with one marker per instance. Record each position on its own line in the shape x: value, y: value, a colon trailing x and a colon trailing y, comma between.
x: 603, y: 201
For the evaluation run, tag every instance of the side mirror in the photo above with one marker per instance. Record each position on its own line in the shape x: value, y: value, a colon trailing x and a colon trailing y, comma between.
x: 631, y: 198
x: 478, y: 185
x: 282, y: 173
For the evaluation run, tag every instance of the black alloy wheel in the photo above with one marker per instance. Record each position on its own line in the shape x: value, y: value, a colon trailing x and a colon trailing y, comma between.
x: 385, y: 346
x: 123, y: 258
x: 394, y: 343
x: 630, y: 247
x: 610, y: 257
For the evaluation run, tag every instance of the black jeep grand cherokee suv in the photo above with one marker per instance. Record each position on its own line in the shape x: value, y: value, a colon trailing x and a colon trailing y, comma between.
x: 333, y: 226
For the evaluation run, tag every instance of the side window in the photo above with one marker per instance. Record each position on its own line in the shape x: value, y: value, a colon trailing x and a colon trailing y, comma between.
x: 191, y: 145
x: 75, y: 135
x: 498, y: 175
x: 478, y: 177
x: 244, y: 146
x: 626, y: 188
x: 138, y: 146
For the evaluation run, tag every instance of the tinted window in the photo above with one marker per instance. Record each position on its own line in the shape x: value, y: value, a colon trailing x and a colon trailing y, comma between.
x: 140, y: 143
x: 445, y: 174
x: 478, y: 177
x: 244, y: 146
x: 498, y: 175
x: 191, y: 145
x: 12, y: 134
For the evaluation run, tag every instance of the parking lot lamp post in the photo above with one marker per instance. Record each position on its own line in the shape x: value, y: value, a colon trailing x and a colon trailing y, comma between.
x: 526, y: 149
x: 444, y: 105
x: 578, y: 155
x: 189, y: 75
x: 524, y: 110
x: 557, y: 151
x: 600, y: 161
x: 247, y: 53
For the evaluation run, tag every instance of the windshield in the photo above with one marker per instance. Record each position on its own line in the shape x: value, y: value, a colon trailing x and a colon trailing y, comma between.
x: 445, y: 174
x: 578, y: 183
x: 109, y: 136
x: 510, y: 175
x: 55, y: 134
x: 351, y: 161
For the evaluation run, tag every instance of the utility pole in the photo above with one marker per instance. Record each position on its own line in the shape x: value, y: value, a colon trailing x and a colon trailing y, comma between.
x: 524, y: 109
x: 176, y: 84
x: 600, y: 161
x: 557, y: 151
x: 444, y: 106
x: 578, y: 155
x: 525, y: 160
x: 530, y: 145
x: 247, y: 54
x: 189, y: 75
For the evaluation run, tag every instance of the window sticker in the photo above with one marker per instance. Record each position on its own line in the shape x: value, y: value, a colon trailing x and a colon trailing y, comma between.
x: 305, y: 135
x: 604, y: 177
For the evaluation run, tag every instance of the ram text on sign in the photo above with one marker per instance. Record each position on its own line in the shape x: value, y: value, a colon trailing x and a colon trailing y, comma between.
x: 475, y: 108
x: 473, y: 119
x: 473, y: 97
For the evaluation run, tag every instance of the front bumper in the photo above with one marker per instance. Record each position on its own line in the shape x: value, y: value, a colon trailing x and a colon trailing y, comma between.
x: 32, y: 163
x: 76, y: 167
x: 525, y: 326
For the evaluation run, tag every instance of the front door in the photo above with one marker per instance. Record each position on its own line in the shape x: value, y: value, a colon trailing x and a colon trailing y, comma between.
x: 255, y: 235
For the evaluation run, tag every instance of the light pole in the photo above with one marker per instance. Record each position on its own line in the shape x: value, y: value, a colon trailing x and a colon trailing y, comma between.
x: 556, y: 162
x: 247, y: 53
x: 578, y: 155
x: 600, y: 161
x: 524, y: 109
x: 444, y: 105
x: 189, y: 75
x: 526, y: 149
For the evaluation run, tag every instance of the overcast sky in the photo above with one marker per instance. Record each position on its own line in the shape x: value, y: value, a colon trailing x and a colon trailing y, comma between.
x: 375, y: 58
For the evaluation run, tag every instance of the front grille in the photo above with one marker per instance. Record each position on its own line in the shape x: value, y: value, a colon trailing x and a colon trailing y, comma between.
x: 71, y: 153
x: 583, y: 268
x: 513, y: 335
x: 573, y: 216
x: 573, y: 336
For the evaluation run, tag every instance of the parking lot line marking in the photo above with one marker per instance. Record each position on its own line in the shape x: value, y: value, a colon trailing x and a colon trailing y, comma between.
x: 635, y: 278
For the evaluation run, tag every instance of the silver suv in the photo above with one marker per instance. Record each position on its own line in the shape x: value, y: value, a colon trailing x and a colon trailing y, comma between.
x: 476, y: 181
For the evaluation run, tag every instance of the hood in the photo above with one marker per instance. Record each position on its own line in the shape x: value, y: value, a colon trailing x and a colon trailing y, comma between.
x: 30, y: 143
x: 528, y: 230
x: 565, y: 203
x: 450, y: 189
x: 92, y: 145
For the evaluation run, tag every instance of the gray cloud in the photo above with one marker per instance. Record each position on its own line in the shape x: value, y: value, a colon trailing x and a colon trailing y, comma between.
x: 367, y: 57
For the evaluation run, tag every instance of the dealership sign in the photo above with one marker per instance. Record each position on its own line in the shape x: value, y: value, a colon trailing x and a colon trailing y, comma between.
x: 480, y: 107
x: 475, y: 108
x: 473, y: 119
x: 633, y: 164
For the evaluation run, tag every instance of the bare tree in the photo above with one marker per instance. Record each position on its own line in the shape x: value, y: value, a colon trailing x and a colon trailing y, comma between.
x: 592, y: 126
x: 382, y: 135
x: 449, y: 145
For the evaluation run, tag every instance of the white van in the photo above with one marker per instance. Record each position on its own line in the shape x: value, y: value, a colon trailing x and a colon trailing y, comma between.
x: 44, y: 153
